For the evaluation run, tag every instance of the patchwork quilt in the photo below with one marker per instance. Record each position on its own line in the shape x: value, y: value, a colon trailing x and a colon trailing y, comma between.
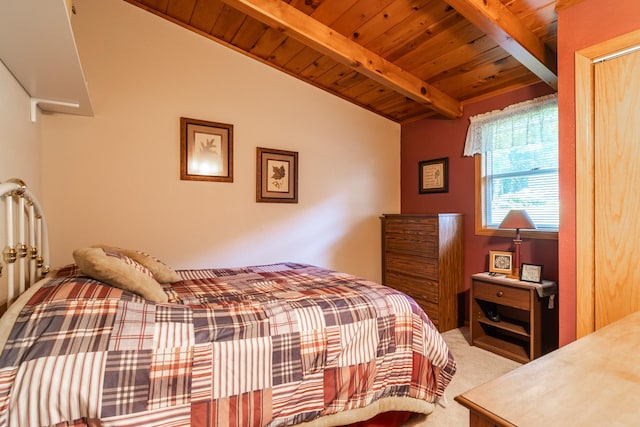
x: 274, y: 345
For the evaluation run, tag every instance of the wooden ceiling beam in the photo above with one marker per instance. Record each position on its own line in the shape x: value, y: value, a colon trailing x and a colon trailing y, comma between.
x: 506, y: 29
x: 563, y: 4
x: 301, y: 27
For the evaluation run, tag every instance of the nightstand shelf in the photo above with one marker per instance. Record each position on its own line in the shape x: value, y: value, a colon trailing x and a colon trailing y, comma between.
x: 527, y: 325
x: 503, y: 347
x: 515, y: 328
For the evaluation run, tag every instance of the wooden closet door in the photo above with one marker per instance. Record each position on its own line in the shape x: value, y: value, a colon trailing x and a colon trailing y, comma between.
x: 617, y: 188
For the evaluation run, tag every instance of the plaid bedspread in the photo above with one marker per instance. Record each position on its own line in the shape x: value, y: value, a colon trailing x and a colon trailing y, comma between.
x: 269, y: 345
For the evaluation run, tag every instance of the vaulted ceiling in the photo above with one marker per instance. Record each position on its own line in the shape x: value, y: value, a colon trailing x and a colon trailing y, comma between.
x: 402, y: 59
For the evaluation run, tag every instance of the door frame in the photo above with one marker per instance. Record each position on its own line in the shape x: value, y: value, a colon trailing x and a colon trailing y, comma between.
x: 585, y: 175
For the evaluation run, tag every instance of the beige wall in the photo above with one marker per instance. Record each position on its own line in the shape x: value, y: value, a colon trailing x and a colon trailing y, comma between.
x: 20, y: 147
x: 114, y: 178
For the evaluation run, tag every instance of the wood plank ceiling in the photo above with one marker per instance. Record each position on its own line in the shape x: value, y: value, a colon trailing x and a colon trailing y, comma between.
x: 402, y: 59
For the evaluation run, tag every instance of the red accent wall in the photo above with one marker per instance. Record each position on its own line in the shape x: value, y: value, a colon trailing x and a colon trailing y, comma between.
x: 580, y: 26
x: 431, y: 139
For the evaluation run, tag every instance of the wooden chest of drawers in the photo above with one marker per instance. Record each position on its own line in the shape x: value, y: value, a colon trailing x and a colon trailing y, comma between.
x: 422, y: 256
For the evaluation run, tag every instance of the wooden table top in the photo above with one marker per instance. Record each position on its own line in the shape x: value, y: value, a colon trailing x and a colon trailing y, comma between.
x: 594, y: 381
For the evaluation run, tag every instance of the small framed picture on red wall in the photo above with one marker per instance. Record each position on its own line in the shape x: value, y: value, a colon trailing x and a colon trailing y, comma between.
x: 433, y: 176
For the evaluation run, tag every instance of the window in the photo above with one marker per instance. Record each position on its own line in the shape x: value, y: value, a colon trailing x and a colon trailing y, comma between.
x: 516, y: 164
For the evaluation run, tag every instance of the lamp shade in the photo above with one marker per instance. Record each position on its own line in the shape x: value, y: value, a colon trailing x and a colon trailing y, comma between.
x: 518, y: 219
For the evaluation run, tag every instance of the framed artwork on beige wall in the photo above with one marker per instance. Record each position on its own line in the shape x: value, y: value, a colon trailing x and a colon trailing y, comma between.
x: 206, y: 150
x: 276, y: 176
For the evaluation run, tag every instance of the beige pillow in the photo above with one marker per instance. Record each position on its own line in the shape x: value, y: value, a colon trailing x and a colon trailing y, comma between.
x: 161, y: 271
x: 119, y: 270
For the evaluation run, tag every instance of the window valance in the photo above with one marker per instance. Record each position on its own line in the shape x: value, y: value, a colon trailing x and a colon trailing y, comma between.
x: 519, y: 124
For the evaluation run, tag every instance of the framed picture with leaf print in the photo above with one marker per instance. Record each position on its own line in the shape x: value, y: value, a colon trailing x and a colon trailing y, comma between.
x: 206, y: 151
x: 276, y: 176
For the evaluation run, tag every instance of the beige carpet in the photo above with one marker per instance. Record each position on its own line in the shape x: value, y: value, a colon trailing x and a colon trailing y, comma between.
x: 475, y: 366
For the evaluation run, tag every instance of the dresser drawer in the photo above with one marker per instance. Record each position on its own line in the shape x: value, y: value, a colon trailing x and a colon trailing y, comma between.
x: 415, y: 226
x: 423, y: 292
x: 506, y: 295
x: 426, y: 268
x: 424, y: 246
x: 414, y: 287
x: 416, y: 236
x: 431, y: 309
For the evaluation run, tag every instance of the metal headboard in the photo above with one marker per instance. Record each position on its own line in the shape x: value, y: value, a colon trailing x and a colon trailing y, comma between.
x: 27, y: 248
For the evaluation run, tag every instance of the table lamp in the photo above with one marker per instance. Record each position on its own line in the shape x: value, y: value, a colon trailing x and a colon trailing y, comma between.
x: 518, y: 219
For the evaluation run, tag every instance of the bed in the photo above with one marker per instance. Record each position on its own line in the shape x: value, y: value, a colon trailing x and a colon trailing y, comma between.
x: 119, y: 338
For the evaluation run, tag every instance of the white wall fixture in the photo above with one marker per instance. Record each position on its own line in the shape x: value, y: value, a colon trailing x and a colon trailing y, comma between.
x: 38, y: 47
x: 48, y: 103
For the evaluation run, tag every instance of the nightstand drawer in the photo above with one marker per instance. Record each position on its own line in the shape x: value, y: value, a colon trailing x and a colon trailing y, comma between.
x: 505, y: 295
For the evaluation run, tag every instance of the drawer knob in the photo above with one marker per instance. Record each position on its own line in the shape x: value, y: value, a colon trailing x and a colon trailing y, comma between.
x: 499, y: 293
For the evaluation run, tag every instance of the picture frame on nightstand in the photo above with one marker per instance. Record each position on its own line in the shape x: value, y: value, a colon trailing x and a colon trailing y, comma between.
x: 531, y: 273
x: 500, y: 262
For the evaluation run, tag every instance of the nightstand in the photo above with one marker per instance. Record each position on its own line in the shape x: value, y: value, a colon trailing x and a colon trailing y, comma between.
x: 512, y: 318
